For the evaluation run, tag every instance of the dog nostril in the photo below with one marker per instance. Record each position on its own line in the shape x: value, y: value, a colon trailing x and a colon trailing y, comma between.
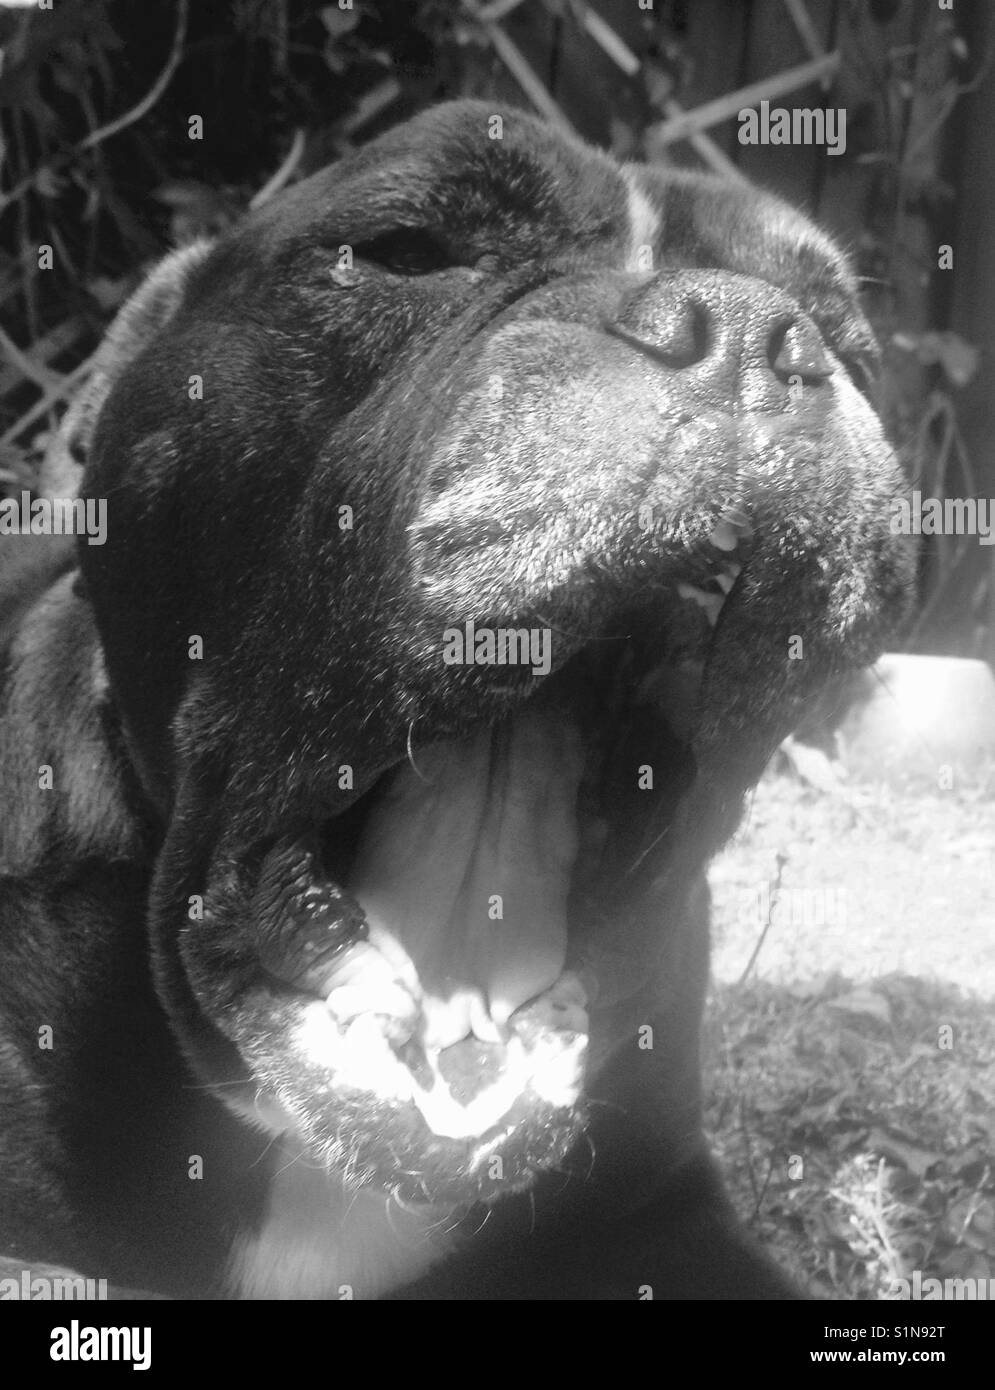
x: 685, y: 335
x: 795, y: 349
x: 678, y: 334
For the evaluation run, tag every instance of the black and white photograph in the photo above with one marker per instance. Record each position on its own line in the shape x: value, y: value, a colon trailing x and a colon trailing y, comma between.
x: 497, y: 633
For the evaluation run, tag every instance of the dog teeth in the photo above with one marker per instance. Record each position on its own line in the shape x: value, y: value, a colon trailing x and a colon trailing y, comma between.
x: 386, y: 998
x: 365, y: 983
x: 734, y: 526
x: 482, y: 1026
x: 707, y: 599
x: 724, y: 536
x: 711, y: 603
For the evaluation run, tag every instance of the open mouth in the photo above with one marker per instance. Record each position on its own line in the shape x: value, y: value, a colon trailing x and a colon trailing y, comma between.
x: 456, y: 920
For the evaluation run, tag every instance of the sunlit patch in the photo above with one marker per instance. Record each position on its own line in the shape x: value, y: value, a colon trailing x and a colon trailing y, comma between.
x: 541, y: 1056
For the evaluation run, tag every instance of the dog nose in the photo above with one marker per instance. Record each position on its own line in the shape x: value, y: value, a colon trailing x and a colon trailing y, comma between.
x: 732, y: 338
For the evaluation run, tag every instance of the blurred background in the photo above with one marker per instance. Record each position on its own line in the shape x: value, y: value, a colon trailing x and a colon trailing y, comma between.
x: 850, y: 1043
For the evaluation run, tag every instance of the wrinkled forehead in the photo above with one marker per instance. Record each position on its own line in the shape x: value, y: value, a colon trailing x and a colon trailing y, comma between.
x: 463, y: 170
x: 473, y: 176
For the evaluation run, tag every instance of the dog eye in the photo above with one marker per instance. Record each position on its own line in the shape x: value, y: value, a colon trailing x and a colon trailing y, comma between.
x: 406, y: 251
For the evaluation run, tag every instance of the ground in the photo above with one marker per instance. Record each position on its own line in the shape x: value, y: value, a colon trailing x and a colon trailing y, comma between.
x: 850, y: 1039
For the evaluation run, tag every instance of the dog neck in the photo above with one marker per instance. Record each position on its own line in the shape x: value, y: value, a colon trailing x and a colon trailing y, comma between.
x: 318, y: 1241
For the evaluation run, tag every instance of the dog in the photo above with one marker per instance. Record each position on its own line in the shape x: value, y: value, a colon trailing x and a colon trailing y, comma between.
x: 480, y: 516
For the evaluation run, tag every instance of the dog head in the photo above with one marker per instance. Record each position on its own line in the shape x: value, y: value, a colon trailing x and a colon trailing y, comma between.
x: 481, y: 515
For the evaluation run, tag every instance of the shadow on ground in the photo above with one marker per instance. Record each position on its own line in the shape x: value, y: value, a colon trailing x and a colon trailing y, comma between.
x: 850, y: 1042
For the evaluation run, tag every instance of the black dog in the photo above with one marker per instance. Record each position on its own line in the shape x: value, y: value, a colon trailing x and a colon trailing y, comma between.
x: 481, y: 515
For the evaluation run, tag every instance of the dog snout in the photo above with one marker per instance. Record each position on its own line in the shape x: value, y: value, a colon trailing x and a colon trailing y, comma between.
x: 735, y: 340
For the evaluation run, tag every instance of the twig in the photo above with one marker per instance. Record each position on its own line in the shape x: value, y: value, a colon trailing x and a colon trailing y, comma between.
x: 283, y: 174
x: 704, y: 146
x: 43, y: 350
x: 806, y: 32
x: 608, y: 41
x: 623, y: 57
x: 780, y: 861
x: 763, y: 1191
x: 24, y: 230
x: 516, y: 64
x: 105, y: 132
x: 374, y: 101
x: 497, y: 9
x: 58, y: 392
x: 977, y: 1196
x: 744, y: 1129
x: 879, y: 1220
x: 723, y: 108
x: 34, y: 371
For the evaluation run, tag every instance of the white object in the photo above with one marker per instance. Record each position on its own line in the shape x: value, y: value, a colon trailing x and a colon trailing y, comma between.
x: 922, y: 718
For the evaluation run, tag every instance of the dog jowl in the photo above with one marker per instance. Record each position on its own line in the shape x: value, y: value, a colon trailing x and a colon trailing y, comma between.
x: 371, y: 960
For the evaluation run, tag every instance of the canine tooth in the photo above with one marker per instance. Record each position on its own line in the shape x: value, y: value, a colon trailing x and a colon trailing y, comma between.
x: 724, y: 536
x: 449, y: 1019
x: 733, y: 526
x: 482, y: 1026
x: 711, y: 603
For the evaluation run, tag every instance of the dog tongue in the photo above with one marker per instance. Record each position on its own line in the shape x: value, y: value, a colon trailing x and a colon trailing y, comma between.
x: 466, y: 861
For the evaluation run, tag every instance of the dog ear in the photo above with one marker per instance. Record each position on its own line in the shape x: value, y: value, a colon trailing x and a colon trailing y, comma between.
x: 64, y: 796
x: 148, y: 310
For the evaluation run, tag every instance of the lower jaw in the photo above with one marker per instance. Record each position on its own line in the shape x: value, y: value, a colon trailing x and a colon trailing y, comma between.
x: 465, y: 1020
x: 564, y: 943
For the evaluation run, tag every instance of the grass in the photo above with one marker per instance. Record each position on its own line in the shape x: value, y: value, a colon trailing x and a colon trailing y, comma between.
x: 851, y: 1074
